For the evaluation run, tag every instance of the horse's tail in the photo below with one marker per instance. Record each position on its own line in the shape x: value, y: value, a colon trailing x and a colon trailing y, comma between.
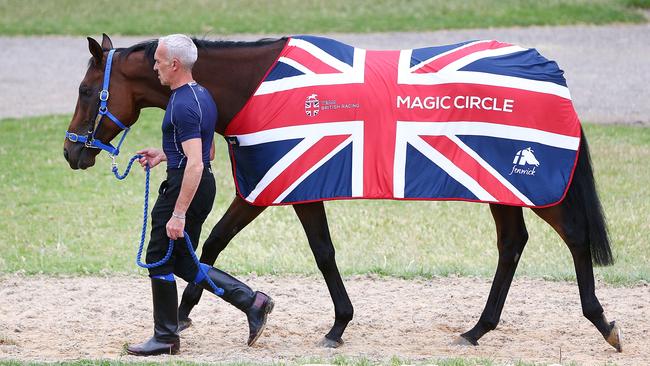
x: 582, y: 196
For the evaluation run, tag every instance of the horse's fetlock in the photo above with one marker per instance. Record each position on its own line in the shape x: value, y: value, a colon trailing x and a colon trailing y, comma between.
x: 344, y: 316
x: 488, y: 325
x: 592, y: 310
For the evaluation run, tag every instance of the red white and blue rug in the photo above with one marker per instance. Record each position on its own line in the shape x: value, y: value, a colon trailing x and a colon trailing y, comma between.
x: 477, y: 121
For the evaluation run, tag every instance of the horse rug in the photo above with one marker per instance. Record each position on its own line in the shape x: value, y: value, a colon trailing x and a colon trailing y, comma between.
x: 481, y: 121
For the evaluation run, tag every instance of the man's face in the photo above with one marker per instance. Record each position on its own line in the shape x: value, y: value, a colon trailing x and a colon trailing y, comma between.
x: 163, y: 65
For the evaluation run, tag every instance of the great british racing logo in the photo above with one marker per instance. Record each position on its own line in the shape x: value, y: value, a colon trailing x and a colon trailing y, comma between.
x: 312, y: 105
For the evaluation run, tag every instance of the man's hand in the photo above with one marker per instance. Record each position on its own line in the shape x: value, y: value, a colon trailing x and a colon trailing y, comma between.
x: 151, y: 156
x: 175, y: 227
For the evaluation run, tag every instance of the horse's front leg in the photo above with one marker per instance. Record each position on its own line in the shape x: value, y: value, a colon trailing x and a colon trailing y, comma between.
x: 511, y: 239
x: 238, y: 215
x: 314, y: 221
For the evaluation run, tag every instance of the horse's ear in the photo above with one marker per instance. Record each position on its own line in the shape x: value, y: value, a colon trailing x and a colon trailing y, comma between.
x: 107, y: 44
x: 95, y: 50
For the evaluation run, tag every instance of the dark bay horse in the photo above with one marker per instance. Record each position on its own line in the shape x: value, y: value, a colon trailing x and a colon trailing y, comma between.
x: 232, y: 71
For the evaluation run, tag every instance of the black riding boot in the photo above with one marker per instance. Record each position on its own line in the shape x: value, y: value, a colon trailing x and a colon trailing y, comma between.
x: 256, y: 305
x: 165, y: 338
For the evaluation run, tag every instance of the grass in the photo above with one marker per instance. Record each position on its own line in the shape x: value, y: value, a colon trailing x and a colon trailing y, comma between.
x: 60, y: 221
x: 75, y: 17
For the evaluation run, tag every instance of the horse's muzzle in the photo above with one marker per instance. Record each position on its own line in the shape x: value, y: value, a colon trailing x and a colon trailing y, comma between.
x: 79, y: 157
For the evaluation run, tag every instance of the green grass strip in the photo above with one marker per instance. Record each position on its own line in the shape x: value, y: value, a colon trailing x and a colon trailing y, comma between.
x: 146, y: 17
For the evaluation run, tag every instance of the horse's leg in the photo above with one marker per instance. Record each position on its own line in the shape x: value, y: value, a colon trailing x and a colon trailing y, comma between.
x: 511, y: 239
x: 238, y: 215
x: 571, y: 228
x: 314, y: 221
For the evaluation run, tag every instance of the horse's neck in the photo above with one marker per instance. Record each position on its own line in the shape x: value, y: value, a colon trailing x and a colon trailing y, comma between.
x: 144, y: 83
x: 232, y: 74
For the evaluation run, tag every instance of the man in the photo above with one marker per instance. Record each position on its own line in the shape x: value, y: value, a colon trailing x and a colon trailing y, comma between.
x: 185, y: 200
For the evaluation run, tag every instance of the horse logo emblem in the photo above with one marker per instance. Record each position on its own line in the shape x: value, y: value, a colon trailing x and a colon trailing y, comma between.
x: 525, y: 156
x: 522, y: 158
x: 312, y: 105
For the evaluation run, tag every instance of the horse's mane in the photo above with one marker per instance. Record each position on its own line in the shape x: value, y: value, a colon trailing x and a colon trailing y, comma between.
x: 149, y: 47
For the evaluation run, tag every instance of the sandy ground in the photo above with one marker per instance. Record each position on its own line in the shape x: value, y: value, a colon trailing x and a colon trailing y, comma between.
x: 55, y: 319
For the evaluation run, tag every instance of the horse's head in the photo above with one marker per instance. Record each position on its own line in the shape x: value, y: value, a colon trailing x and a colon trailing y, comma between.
x: 528, y: 157
x: 93, y: 125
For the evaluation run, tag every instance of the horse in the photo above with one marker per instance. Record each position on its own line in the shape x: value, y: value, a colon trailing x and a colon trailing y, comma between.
x: 231, y: 71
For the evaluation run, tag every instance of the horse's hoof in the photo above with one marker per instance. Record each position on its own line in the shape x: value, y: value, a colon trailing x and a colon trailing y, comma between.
x: 462, y: 341
x: 184, y: 324
x: 614, y: 337
x: 328, y: 343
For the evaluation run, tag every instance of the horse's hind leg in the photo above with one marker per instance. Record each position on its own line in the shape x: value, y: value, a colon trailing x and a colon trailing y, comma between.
x: 572, y: 232
x: 511, y: 239
x: 238, y: 215
x: 314, y: 221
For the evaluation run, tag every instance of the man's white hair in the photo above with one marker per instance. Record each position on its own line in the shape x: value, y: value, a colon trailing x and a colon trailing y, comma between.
x: 181, y: 47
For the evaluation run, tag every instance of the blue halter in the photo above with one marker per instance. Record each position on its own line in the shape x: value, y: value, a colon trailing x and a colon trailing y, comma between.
x: 89, y: 140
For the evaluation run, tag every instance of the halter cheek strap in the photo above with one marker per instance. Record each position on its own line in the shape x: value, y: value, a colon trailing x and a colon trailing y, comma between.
x: 89, y: 140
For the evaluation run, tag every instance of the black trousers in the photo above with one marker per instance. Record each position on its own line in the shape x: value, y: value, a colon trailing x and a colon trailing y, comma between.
x: 181, y: 262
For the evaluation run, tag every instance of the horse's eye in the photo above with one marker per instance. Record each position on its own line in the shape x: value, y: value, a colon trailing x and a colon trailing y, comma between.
x: 85, y: 91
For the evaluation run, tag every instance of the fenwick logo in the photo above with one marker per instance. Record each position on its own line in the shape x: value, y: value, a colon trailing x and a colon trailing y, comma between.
x: 522, y: 162
x: 312, y: 105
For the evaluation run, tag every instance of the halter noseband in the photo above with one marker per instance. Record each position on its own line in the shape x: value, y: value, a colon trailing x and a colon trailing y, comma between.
x: 89, y: 140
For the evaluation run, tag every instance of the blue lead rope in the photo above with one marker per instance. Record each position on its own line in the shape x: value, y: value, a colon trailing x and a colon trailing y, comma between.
x: 217, y: 290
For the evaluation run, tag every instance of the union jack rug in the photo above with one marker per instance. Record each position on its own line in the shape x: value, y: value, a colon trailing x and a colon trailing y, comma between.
x: 477, y: 121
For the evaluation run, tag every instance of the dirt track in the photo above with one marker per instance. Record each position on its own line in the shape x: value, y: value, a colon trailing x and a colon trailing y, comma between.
x: 54, y: 319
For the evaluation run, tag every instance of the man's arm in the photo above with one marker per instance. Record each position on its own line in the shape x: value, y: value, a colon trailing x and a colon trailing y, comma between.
x: 191, y: 179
